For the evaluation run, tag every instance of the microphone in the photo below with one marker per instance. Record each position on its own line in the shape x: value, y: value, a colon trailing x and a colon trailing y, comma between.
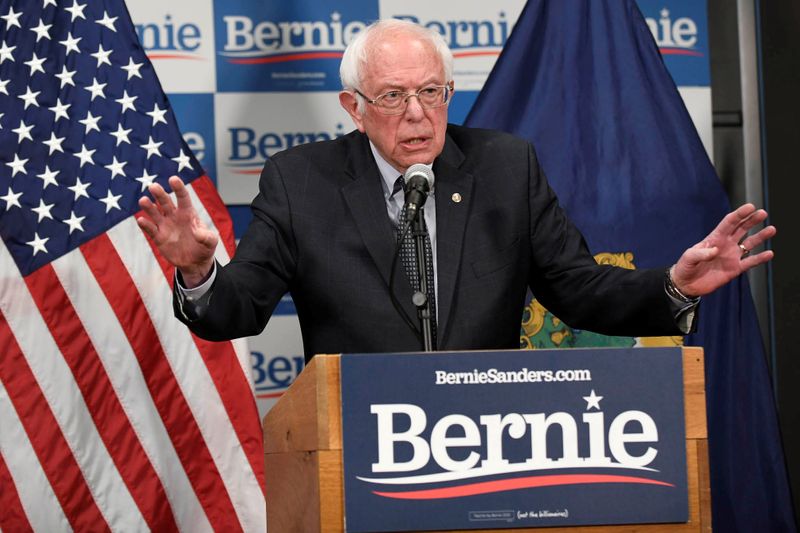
x: 419, y: 183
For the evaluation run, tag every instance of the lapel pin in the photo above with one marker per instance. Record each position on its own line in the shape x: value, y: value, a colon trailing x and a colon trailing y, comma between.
x: 456, y: 197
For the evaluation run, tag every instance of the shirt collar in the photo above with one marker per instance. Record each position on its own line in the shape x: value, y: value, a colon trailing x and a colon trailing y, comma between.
x: 388, y: 172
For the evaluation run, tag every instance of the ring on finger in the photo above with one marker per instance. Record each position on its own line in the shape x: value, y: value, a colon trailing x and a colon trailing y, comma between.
x: 744, y: 249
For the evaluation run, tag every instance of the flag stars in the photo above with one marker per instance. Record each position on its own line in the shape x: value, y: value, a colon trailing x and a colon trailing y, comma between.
x: 127, y: 101
x: 182, y: 160
x: 90, y: 122
x: 35, y: 64
x: 85, y: 155
x: 66, y: 77
x: 48, y: 177
x: 74, y: 222
x: 11, y: 199
x: 3, y: 84
x: 102, y: 56
x: 76, y: 11
x: 116, y: 168
x: 29, y: 97
x: 157, y: 114
x: 152, y: 147
x: 38, y: 243
x: 121, y: 135
x: 49, y: 3
x: 54, y: 143
x: 111, y: 201
x: 7, y: 52
x: 42, y: 31
x: 146, y: 179
x: 12, y: 19
x: 96, y: 89
x: 60, y: 110
x: 71, y: 44
x: 79, y: 189
x: 43, y: 210
x: 23, y: 131
x: 131, y: 68
x: 107, y: 21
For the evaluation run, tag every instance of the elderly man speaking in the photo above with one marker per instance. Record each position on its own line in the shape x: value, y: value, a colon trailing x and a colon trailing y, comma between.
x: 325, y: 229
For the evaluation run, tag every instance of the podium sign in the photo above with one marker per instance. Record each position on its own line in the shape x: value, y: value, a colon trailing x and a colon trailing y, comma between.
x: 513, y: 439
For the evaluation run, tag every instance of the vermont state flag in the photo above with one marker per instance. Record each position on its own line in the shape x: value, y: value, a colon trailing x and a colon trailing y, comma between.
x: 584, y: 82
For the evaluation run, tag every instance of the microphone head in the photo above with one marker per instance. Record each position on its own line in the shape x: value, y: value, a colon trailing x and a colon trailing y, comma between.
x: 416, y: 172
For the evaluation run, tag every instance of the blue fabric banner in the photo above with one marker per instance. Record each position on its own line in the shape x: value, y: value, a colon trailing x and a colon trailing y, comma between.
x: 584, y: 82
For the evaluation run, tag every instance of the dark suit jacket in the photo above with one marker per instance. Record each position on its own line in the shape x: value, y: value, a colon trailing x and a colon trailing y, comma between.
x: 321, y: 231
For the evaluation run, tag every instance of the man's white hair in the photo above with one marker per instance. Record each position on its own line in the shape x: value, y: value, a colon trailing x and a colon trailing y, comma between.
x: 357, y: 52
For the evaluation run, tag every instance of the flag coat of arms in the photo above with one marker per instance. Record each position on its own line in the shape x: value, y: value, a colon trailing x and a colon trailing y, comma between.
x: 113, y: 416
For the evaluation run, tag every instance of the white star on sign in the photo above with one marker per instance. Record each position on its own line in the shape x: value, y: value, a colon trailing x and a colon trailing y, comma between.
x: 35, y: 64
x: 116, y: 167
x: 146, y: 179
x: 127, y: 101
x: 151, y: 147
x: 90, y: 122
x: 60, y: 110
x: 96, y: 89
x: 592, y: 400
x: 74, y: 222
x: 54, y: 143
x: 121, y: 135
x: 182, y: 160
x: 38, y: 243
x: 71, y: 43
x: 111, y: 201
x: 29, y: 97
x: 48, y: 176
x: 132, y: 68
x: 79, y: 189
x: 102, y: 56
x: 107, y: 21
x: 66, y: 77
x: 43, y: 210
x: 6, y: 52
x: 42, y: 30
x: 157, y: 114
x: 12, y: 199
x: 76, y: 10
x: 12, y: 19
x: 85, y: 155
x: 23, y: 132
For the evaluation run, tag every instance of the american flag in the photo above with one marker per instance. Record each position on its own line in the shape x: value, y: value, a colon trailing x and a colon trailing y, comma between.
x: 112, y: 415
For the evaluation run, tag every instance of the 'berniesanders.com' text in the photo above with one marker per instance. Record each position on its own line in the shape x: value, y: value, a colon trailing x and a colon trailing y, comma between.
x: 493, y: 375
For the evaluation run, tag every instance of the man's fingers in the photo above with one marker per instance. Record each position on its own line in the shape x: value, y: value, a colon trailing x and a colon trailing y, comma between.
x: 754, y: 260
x: 181, y: 193
x: 162, y: 199
x: 754, y: 241
x: 147, y: 226
x: 150, y: 209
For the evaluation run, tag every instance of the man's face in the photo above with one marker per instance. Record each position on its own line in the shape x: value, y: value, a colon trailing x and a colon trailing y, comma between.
x: 401, y: 62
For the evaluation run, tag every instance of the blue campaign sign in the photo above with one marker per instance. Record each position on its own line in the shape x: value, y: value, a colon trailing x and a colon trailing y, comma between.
x: 680, y: 28
x: 285, y: 46
x: 513, y: 439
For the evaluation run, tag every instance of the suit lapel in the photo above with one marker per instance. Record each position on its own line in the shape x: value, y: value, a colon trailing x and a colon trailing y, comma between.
x: 453, y: 193
x: 364, y: 197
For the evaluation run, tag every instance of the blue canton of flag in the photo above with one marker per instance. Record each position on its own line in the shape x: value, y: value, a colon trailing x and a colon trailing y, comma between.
x: 84, y: 127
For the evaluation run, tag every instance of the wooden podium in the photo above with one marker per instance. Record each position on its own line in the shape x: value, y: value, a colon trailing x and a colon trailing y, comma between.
x: 303, y: 455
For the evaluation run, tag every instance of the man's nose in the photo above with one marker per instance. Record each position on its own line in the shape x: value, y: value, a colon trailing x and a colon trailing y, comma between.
x: 414, y: 109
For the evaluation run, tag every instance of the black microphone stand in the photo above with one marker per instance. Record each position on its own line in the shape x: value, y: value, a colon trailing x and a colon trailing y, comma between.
x: 420, y: 298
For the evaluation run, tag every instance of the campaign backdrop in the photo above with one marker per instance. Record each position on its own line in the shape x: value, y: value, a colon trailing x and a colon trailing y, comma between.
x: 249, y: 78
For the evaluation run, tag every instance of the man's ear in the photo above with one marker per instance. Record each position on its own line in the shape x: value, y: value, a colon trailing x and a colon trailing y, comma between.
x: 349, y: 102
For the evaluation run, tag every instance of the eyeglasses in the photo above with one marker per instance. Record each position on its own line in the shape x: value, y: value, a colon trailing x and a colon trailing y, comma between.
x: 396, y: 102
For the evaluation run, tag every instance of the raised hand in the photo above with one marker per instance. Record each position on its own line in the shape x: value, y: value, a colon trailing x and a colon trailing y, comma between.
x: 178, y: 233
x: 724, y: 253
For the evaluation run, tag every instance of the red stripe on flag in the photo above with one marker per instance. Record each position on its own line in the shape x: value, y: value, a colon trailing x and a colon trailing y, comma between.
x: 208, y: 194
x: 12, y: 514
x: 109, y: 417
x: 46, y: 438
x: 185, y: 434
x: 229, y: 380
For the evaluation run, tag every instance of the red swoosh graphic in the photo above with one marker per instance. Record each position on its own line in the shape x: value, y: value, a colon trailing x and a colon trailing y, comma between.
x: 287, y: 57
x: 501, y: 485
x: 175, y: 56
x: 475, y: 54
x: 679, y: 52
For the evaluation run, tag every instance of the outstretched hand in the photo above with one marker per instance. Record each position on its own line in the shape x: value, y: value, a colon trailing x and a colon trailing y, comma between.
x: 178, y: 233
x: 724, y: 253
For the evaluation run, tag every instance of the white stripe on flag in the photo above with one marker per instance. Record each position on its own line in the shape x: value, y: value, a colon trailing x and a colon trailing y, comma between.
x: 192, y: 375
